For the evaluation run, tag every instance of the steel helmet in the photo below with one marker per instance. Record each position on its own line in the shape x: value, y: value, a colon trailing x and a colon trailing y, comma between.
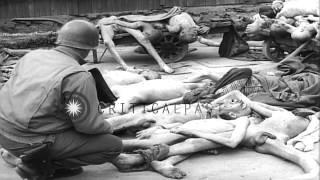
x: 79, y: 34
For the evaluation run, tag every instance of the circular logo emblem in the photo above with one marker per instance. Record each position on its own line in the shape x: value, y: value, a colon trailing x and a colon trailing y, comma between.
x: 77, y: 106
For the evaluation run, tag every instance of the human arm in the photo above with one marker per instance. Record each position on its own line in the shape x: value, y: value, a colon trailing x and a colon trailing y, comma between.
x: 160, y: 104
x: 107, y: 31
x: 82, y: 105
x: 272, y: 108
x: 146, y: 133
x: 305, y: 140
x: 256, y: 106
x: 238, y: 134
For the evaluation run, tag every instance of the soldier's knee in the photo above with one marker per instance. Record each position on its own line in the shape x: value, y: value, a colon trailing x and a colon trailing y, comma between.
x: 117, y: 146
x: 110, y: 152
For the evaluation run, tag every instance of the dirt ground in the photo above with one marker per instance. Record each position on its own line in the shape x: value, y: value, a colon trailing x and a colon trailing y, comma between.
x: 229, y: 164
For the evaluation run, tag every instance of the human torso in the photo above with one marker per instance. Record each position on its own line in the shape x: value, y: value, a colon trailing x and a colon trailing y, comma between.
x: 153, y: 90
x: 210, y: 125
x: 282, y: 124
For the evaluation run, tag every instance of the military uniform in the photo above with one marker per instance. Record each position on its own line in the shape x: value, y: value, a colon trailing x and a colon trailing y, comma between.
x: 51, y: 98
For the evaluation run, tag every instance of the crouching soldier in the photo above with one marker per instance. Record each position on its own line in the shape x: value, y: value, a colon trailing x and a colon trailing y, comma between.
x: 49, y: 110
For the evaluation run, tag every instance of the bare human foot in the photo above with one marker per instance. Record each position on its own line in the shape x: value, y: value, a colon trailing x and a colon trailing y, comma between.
x: 167, y: 170
x: 130, y: 163
x: 9, y: 159
x: 255, y: 27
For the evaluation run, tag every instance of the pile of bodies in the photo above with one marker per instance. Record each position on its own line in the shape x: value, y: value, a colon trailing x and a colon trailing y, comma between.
x: 175, y: 126
x: 7, y: 64
x: 238, y: 113
x: 277, y: 115
x: 296, y: 19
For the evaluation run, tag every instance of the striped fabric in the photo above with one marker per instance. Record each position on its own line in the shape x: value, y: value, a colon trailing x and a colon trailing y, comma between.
x: 246, y: 86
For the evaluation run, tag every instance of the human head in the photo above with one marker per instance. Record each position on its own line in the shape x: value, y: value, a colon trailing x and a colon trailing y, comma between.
x: 154, y: 36
x: 304, y: 33
x: 267, y: 11
x: 277, y: 5
x: 78, y: 34
x: 232, y: 108
x: 188, y: 35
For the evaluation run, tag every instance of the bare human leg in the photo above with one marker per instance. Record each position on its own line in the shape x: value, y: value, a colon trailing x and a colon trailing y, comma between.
x: 107, y: 34
x: 215, y: 77
x: 179, y: 152
x: 162, y: 138
x: 307, y: 163
x: 149, y: 47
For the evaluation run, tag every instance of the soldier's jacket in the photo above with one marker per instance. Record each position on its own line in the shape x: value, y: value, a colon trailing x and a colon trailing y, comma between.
x: 49, y: 93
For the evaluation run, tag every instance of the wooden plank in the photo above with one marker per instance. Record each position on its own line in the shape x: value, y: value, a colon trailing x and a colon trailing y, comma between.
x: 114, y: 5
x: 183, y: 3
x: 121, y: 5
x: 133, y: 5
x: 85, y: 6
x: 219, y: 2
x: 168, y: 3
x: 36, y: 8
x: 264, y: 1
x: 57, y: 7
x: 53, y: 10
x: 74, y: 7
x: 108, y: 6
x: 68, y: 7
x: 171, y: 3
x: 231, y: 2
x: 211, y: 2
x: 147, y: 4
x: 247, y: 1
x: 20, y: 9
x: 63, y: 7
x: 33, y: 8
x: 196, y: 3
x: 11, y: 9
x: 96, y: 6
x: 125, y: 5
x: 156, y: 4
x: 4, y: 9
x: 60, y: 6
x: 140, y: 4
x: 104, y: 6
x: 42, y: 7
